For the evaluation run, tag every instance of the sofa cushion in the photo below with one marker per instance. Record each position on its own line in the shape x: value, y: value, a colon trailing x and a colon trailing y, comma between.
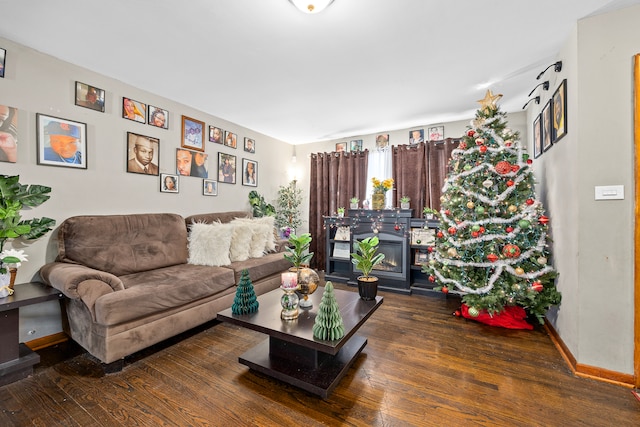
x: 240, y: 242
x: 260, y: 233
x: 155, y: 291
x: 123, y: 244
x: 209, y: 244
x: 259, y: 268
x: 270, y: 245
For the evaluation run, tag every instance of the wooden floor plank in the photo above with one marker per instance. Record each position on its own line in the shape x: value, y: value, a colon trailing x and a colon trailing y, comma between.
x: 422, y: 366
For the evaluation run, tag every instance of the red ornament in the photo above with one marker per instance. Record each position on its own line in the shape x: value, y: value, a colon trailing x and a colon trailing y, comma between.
x: 457, y: 313
x: 397, y: 227
x: 474, y: 234
x: 483, y: 148
x: 509, y: 229
x: 515, y: 168
x: 430, y: 249
x: 529, y: 161
x: 452, y: 230
x: 543, y: 220
x: 462, y: 146
x: 508, y: 143
x: 445, y: 290
x: 479, y: 141
x: 492, y: 257
x: 447, y: 212
x: 503, y: 167
x: 529, y: 202
x: 470, y: 133
x: 537, y: 286
x: 511, y: 251
x: 440, y: 235
x: 510, y: 183
x: 432, y: 279
x: 482, y: 229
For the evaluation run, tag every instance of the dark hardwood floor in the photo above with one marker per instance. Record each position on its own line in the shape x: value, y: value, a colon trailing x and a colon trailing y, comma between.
x: 421, y: 367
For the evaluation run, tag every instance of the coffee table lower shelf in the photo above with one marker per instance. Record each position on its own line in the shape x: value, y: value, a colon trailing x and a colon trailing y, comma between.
x: 311, y: 370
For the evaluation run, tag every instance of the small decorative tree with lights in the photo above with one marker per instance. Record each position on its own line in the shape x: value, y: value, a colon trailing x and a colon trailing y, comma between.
x: 492, y: 243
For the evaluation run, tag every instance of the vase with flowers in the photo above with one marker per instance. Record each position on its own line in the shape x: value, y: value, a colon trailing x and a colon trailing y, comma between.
x: 380, y: 188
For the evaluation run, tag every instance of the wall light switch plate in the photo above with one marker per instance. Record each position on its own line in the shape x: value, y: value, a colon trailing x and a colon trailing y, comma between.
x: 609, y: 192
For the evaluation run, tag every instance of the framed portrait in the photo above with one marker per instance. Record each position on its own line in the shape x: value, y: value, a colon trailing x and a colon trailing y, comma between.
x: 230, y: 139
x: 158, y: 117
x: 169, y: 183
x: 537, y: 136
x: 192, y: 163
x: 416, y: 136
x: 249, y: 172
x: 249, y: 145
x: 341, y: 147
x: 3, y: 61
x: 192, y: 134
x: 61, y: 142
x: 355, y: 145
x: 421, y: 257
x: 89, y: 97
x: 546, y: 126
x: 559, y: 111
x: 382, y: 140
x: 134, y: 110
x: 226, y: 168
x: 209, y: 187
x: 436, y: 133
x: 9, y: 134
x: 143, y: 154
x: 216, y: 135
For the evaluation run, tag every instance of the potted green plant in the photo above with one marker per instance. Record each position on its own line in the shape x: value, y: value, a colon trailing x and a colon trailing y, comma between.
x: 340, y: 212
x: 13, y: 197
x: 429, y: 213
x: 353, y: 203
x: 259, y: 206
x: 364, y: 258
x: 295, y: 251
x: 288, y: 209
x: 404, y: 202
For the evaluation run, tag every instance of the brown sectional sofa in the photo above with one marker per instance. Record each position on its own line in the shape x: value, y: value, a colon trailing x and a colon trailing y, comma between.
x: 129, y: 285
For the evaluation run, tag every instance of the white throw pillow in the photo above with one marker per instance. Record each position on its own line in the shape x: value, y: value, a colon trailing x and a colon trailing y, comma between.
x: 209, y: 244
x: 270, y: 245
x: 259, y: 234
x: 240, y: 241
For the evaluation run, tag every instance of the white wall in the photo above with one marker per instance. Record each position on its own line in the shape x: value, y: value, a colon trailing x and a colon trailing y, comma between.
x: 593, y: 240
x: 37, y: 83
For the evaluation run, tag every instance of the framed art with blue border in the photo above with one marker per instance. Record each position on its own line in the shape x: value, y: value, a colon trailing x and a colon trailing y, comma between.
x: 61, y: 142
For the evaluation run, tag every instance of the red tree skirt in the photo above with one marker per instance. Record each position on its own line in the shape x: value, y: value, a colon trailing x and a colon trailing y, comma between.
x: 512, y: 317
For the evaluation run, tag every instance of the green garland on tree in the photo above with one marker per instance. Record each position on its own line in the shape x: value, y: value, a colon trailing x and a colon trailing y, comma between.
x: 245, y: 301
x: 328, y: 325
x: 492, y: 243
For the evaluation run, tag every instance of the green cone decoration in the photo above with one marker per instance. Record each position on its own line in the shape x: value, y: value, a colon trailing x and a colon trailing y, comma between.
x: 328, y: 325
x: 245, y: 301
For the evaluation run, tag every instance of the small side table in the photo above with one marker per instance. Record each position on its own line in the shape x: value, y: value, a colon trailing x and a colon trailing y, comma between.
x: 16, y: 359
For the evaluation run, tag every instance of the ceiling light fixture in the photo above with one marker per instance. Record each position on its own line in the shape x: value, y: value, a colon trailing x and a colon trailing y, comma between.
x: 311, y: 6
x: 537, y: 99
x: 545, y: 86
x: 557, y: 67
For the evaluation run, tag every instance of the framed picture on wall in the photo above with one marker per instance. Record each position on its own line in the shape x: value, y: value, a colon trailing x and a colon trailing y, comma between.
x: 249, y: 145
x: 134, y: 110
x: 143, y: 154
x: 209, y: 187
x: 436, y: 133
x: 9, y: 134
x: 537, y: 136
x: 559, y: 111
x: 89, y: 97
x: 355, y: 145
x: 158, y: 117
x: 230, y: 139
x: 416, y: 136
x: 216, y: 135
x: 226, y: 168
x: 61, y: 142
x: 249, y: 172
x: 3, y: 59
x: 168, y: 183
x: 341, y: 147
x: 382, y: 140
x: 546, y: 127
x: 192, y: 134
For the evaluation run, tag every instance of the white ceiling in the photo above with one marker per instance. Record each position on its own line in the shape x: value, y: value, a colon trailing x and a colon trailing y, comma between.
x: 359, y: 67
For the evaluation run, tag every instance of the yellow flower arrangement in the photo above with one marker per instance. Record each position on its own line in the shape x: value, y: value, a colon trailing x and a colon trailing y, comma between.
x: 381, y: 187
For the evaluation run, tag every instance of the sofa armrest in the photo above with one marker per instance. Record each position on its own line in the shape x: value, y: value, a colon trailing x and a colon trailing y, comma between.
x: 281, y: 245
x: 66, y: 277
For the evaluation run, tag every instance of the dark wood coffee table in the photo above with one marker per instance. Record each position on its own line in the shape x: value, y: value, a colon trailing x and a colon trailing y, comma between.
x: 291, y: 354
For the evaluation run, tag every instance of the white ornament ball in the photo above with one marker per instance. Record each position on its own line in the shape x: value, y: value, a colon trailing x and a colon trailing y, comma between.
x: 542, y: 260
x: 487, y: 183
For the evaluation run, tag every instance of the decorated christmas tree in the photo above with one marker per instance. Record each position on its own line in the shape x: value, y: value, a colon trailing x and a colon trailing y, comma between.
x: 328, y: 325
x: 492, y: 244
x: 245, y: 301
